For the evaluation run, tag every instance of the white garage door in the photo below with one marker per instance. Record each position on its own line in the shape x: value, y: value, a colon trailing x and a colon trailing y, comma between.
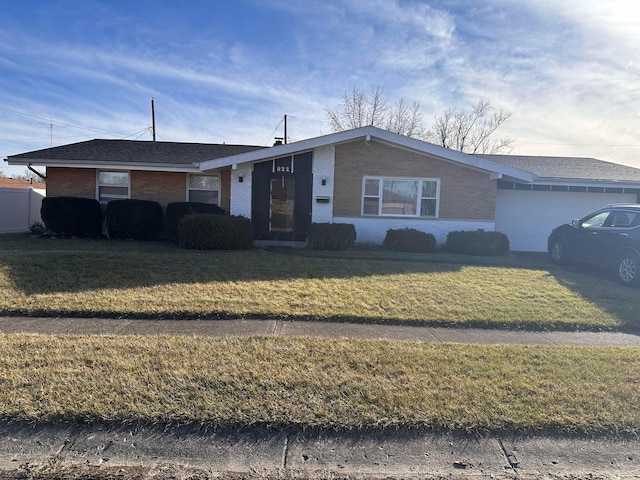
x: 527, y: 217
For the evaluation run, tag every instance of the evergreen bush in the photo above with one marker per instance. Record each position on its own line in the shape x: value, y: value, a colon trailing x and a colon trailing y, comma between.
x: 177, y: 210
x: 206, y: 231
x: 478, y: 242
x: 331, y: 236
x: 73, y: 216
x: 134, y: 219
x: 409, y: 240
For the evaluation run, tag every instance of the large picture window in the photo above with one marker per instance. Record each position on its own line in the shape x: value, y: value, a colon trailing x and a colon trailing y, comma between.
x: 400, y: 196
x: 112, y: 185
x: 204, y: 189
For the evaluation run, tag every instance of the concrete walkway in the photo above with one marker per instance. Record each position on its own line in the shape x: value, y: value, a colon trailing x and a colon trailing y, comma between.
x: 28, y: 451
x: 93, y: 326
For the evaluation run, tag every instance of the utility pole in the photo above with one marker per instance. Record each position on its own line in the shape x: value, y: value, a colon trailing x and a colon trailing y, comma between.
x: 153, y: 119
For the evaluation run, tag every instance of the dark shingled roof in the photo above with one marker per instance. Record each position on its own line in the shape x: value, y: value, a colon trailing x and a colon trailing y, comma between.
x: 574, y: 168
x: 135, y: 151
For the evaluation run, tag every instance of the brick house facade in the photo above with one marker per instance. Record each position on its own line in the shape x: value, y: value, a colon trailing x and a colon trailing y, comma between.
x: 330, y: 179
x: 465, y: 193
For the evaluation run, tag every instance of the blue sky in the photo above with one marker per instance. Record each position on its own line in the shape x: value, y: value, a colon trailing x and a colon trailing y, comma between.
x: 229, y: 70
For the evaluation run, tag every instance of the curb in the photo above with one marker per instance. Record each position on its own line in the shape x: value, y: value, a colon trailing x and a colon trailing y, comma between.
x: 313, y: 455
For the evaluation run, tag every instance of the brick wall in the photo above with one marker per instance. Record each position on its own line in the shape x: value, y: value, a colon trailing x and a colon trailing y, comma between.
x: 71, y: 182
x: 161, y: 187
x: 465, y: 193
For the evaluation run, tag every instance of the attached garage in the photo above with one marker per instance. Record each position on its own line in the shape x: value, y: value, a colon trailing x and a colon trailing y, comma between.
x: 563, y: 189
x: 527, y: 217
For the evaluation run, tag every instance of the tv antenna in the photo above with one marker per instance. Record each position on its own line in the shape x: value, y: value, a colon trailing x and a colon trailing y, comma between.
x: 50, y: 124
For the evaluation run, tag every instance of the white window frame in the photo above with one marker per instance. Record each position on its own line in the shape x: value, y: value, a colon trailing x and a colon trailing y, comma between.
x: 189, y: 189
x: 419, y: 198
x: 119, y: 197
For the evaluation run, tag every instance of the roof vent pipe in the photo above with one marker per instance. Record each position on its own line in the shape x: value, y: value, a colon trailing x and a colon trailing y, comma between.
x: 279, y: 141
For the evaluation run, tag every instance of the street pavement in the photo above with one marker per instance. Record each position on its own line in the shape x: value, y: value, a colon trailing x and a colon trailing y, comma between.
x: 178, y: 452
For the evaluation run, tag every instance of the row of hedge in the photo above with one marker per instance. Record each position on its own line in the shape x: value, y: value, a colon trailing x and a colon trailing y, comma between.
x: 341, y: 236
x: 476, y: 242
x: 203, y: 226
x: 124, y: 219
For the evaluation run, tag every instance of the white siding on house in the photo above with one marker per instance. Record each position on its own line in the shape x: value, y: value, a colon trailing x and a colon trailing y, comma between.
x: 323, y: 167
x: 241, y: 191
x: 527, y: 217
x: 373, y: 230
x: 19, y: 208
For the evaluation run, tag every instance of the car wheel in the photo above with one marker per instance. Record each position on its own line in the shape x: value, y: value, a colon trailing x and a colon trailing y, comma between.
x: 628, y: 266
x: 558, y: 251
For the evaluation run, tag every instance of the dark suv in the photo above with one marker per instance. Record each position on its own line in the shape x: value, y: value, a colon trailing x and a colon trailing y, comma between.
x: 610, y: 237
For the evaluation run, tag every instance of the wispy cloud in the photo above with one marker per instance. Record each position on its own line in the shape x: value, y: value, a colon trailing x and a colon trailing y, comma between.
x: 568, y: 71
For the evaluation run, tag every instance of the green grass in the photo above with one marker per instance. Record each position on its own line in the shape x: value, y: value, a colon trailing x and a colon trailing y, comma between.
x: 306, y: 383
x: 98, y: 278
x: 302, y: 383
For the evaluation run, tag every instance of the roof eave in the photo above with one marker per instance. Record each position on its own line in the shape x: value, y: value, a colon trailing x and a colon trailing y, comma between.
x: 154, y: 167
x: 368, y: 134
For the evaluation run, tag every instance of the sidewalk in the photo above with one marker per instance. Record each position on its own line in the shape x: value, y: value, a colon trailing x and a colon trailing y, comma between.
x: 122, y: 452
x: 94, y: 326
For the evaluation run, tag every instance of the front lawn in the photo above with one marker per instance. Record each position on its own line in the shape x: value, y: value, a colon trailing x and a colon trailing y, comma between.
x: 305, y: 383
x: 99, y: 278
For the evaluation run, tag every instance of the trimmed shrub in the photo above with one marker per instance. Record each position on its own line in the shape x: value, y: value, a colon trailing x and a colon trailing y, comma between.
x: 331, y: 236
x: 134, y: 219
x: 478, y: 242
x: 409, y: 240
x: 177, y: 210
x: 206, y: 231
x: 80, y: 217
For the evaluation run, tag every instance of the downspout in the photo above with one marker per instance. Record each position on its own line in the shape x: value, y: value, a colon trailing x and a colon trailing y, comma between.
x: 31, y: 169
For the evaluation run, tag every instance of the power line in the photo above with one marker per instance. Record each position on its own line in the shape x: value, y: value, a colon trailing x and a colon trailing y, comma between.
x: 271, y: 134
x: 51, y: 122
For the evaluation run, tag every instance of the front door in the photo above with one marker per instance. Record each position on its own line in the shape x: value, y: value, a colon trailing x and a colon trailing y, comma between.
x: 281, y: 198
x: 282, y: 207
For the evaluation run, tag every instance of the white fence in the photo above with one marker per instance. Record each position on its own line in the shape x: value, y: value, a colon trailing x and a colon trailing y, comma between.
x: 19, y: 208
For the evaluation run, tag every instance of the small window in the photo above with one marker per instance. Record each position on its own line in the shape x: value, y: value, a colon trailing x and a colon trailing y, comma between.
x: 112, y: 185
x: 204, y: 189
x: 400, y: 197
x: 371, y: 196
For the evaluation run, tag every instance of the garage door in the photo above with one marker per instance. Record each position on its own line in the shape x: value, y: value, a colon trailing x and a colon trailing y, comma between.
x: 527, y: 217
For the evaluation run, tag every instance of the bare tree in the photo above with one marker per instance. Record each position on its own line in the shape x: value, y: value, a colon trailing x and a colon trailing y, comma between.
x: 471, y: 131
x: 405, y: 120
x: 467, y: 131
x: 358, y: 109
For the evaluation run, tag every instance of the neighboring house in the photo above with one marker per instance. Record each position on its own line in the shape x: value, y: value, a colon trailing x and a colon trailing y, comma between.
x: 20, y: 202
x: 369, y: 177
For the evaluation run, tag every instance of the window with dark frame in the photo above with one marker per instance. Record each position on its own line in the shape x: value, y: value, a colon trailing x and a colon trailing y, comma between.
x: 204, y: 189
x: 112, y: 185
